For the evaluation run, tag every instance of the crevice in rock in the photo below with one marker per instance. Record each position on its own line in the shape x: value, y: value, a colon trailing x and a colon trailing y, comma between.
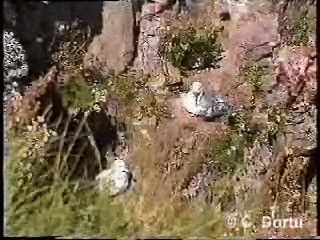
x: 136, y: 33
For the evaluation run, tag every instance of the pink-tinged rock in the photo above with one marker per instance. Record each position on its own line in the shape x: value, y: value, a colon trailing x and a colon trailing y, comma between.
x: 296, y: 72
x: 253, y: 38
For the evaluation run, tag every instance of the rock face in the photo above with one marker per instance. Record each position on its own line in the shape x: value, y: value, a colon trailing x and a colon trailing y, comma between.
x: 234, y: 8
x: 254, y: 39
x: 152, y: 29
x: 148, y: 59
x: 296, y: 73
x: 126, y: 32
x: 117, y: 178
x: 295, y: 90
x: 36, y: 23
x: 199, y: 102
x: 287, y: 10
x: 114, y: 47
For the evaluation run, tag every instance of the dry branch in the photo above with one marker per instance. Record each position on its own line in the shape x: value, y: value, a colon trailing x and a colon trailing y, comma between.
x: 71, y: 145
x: 73, y: 168
x: 94, y: 146
x: 57, y: 123
x: 61, y: 144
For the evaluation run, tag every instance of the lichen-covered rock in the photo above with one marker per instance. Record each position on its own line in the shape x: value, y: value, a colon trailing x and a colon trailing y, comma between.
x: 296, y: 73
x: 117, y: 179
x: 296, y: 84
x: 198, y: 187
x: 14, y: 64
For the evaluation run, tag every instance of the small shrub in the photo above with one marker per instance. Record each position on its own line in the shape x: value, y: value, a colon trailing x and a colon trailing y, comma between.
x: 301, y: 30
x: 241, y: 125
x: 151, y: 106
x: 226, y: 155
x: 75, y: 93
x: 254, y: 72
x: 134, y: 96
x: 69, y: 48
x: 193, y: 48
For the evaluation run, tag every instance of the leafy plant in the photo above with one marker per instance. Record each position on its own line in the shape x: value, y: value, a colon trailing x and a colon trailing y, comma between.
x: 193, y: 48
x: 151, y: 106
x: 254, y: 72
x: 75, y: 93
x: 226, y: 155
x: 134, y: 96
x: 301, y: 30
x: 241, y: 125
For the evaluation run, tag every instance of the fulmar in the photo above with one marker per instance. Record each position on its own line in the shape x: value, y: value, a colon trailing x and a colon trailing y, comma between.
x: 205, y: 104
x: 118, y: 178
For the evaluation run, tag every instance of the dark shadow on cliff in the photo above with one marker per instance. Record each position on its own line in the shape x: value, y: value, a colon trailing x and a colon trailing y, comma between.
x: 34, y: 23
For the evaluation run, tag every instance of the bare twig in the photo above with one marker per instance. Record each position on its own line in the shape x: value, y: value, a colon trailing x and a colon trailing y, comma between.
x: 67, y: 139
x: 57, y: 123
x: 62, y: 140
x: 71, y: 145
x: 85, y: 172
x: 83, y: 147
x: 46, y: 111
x: 48, y: 116
x: 94, y: 145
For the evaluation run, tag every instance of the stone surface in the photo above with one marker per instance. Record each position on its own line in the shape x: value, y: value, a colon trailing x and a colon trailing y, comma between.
x: 148, y: 59
x: 114, y: 48
x: 295, y: 90
x: 253, y: 39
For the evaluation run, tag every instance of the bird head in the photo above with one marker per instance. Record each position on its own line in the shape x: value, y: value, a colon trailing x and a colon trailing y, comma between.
x: 197, y: 87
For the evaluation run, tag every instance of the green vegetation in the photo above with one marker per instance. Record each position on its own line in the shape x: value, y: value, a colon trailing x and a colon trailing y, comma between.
x: 301, y: 30
x: 76, y: 209
x: 75, y: 93
x: 69, y: 48
x: 38, y: 208
x: 254, y: 72
x: 51, y: 166
x: 193, y: 48
x: 54, y: 160
x: 226, y: 155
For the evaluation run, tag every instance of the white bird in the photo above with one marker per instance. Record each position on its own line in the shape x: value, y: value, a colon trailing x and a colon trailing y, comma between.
x: 117, y: 179
x: 207, y: 105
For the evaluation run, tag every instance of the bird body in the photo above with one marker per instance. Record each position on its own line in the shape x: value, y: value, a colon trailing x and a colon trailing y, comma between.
x: 117, y: 178
x: 202, y: 103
